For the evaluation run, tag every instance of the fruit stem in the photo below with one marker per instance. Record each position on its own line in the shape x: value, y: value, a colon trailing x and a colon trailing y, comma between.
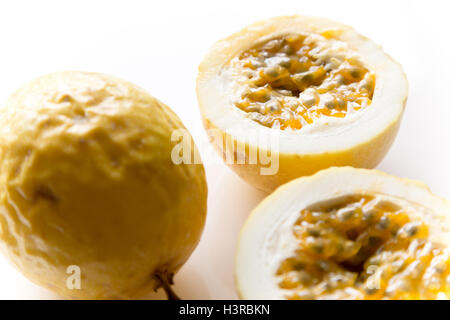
x: 166, y: 282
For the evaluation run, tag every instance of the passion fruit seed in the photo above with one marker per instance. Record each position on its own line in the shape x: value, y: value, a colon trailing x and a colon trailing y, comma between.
x: 346, y: 255
x: 300, y: 73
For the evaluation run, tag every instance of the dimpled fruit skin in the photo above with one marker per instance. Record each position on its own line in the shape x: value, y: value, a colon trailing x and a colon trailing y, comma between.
x: 86, y: 179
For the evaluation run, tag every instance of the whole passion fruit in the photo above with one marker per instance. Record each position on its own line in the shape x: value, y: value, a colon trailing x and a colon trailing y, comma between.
x: 87, y: 185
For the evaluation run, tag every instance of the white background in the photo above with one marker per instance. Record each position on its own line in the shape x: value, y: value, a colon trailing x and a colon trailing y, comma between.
x: 159, y: 44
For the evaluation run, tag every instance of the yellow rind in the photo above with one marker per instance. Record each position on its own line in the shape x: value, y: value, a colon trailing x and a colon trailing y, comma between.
x: 367, y: 155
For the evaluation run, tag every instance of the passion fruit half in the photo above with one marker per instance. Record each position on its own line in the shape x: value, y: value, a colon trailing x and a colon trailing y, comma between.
x: 346, y: 233
x: 330, y: 96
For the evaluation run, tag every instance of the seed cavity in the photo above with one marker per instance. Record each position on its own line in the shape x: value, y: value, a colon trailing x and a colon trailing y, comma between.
x: 307, y: 75
x: 363, y: 247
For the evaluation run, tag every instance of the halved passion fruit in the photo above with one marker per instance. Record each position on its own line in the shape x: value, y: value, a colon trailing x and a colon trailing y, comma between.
x: 330, y: 96
x: 346, y: 233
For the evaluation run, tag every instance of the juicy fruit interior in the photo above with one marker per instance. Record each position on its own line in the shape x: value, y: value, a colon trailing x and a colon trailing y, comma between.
x: 361, y: 247
x: 291, y: 80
